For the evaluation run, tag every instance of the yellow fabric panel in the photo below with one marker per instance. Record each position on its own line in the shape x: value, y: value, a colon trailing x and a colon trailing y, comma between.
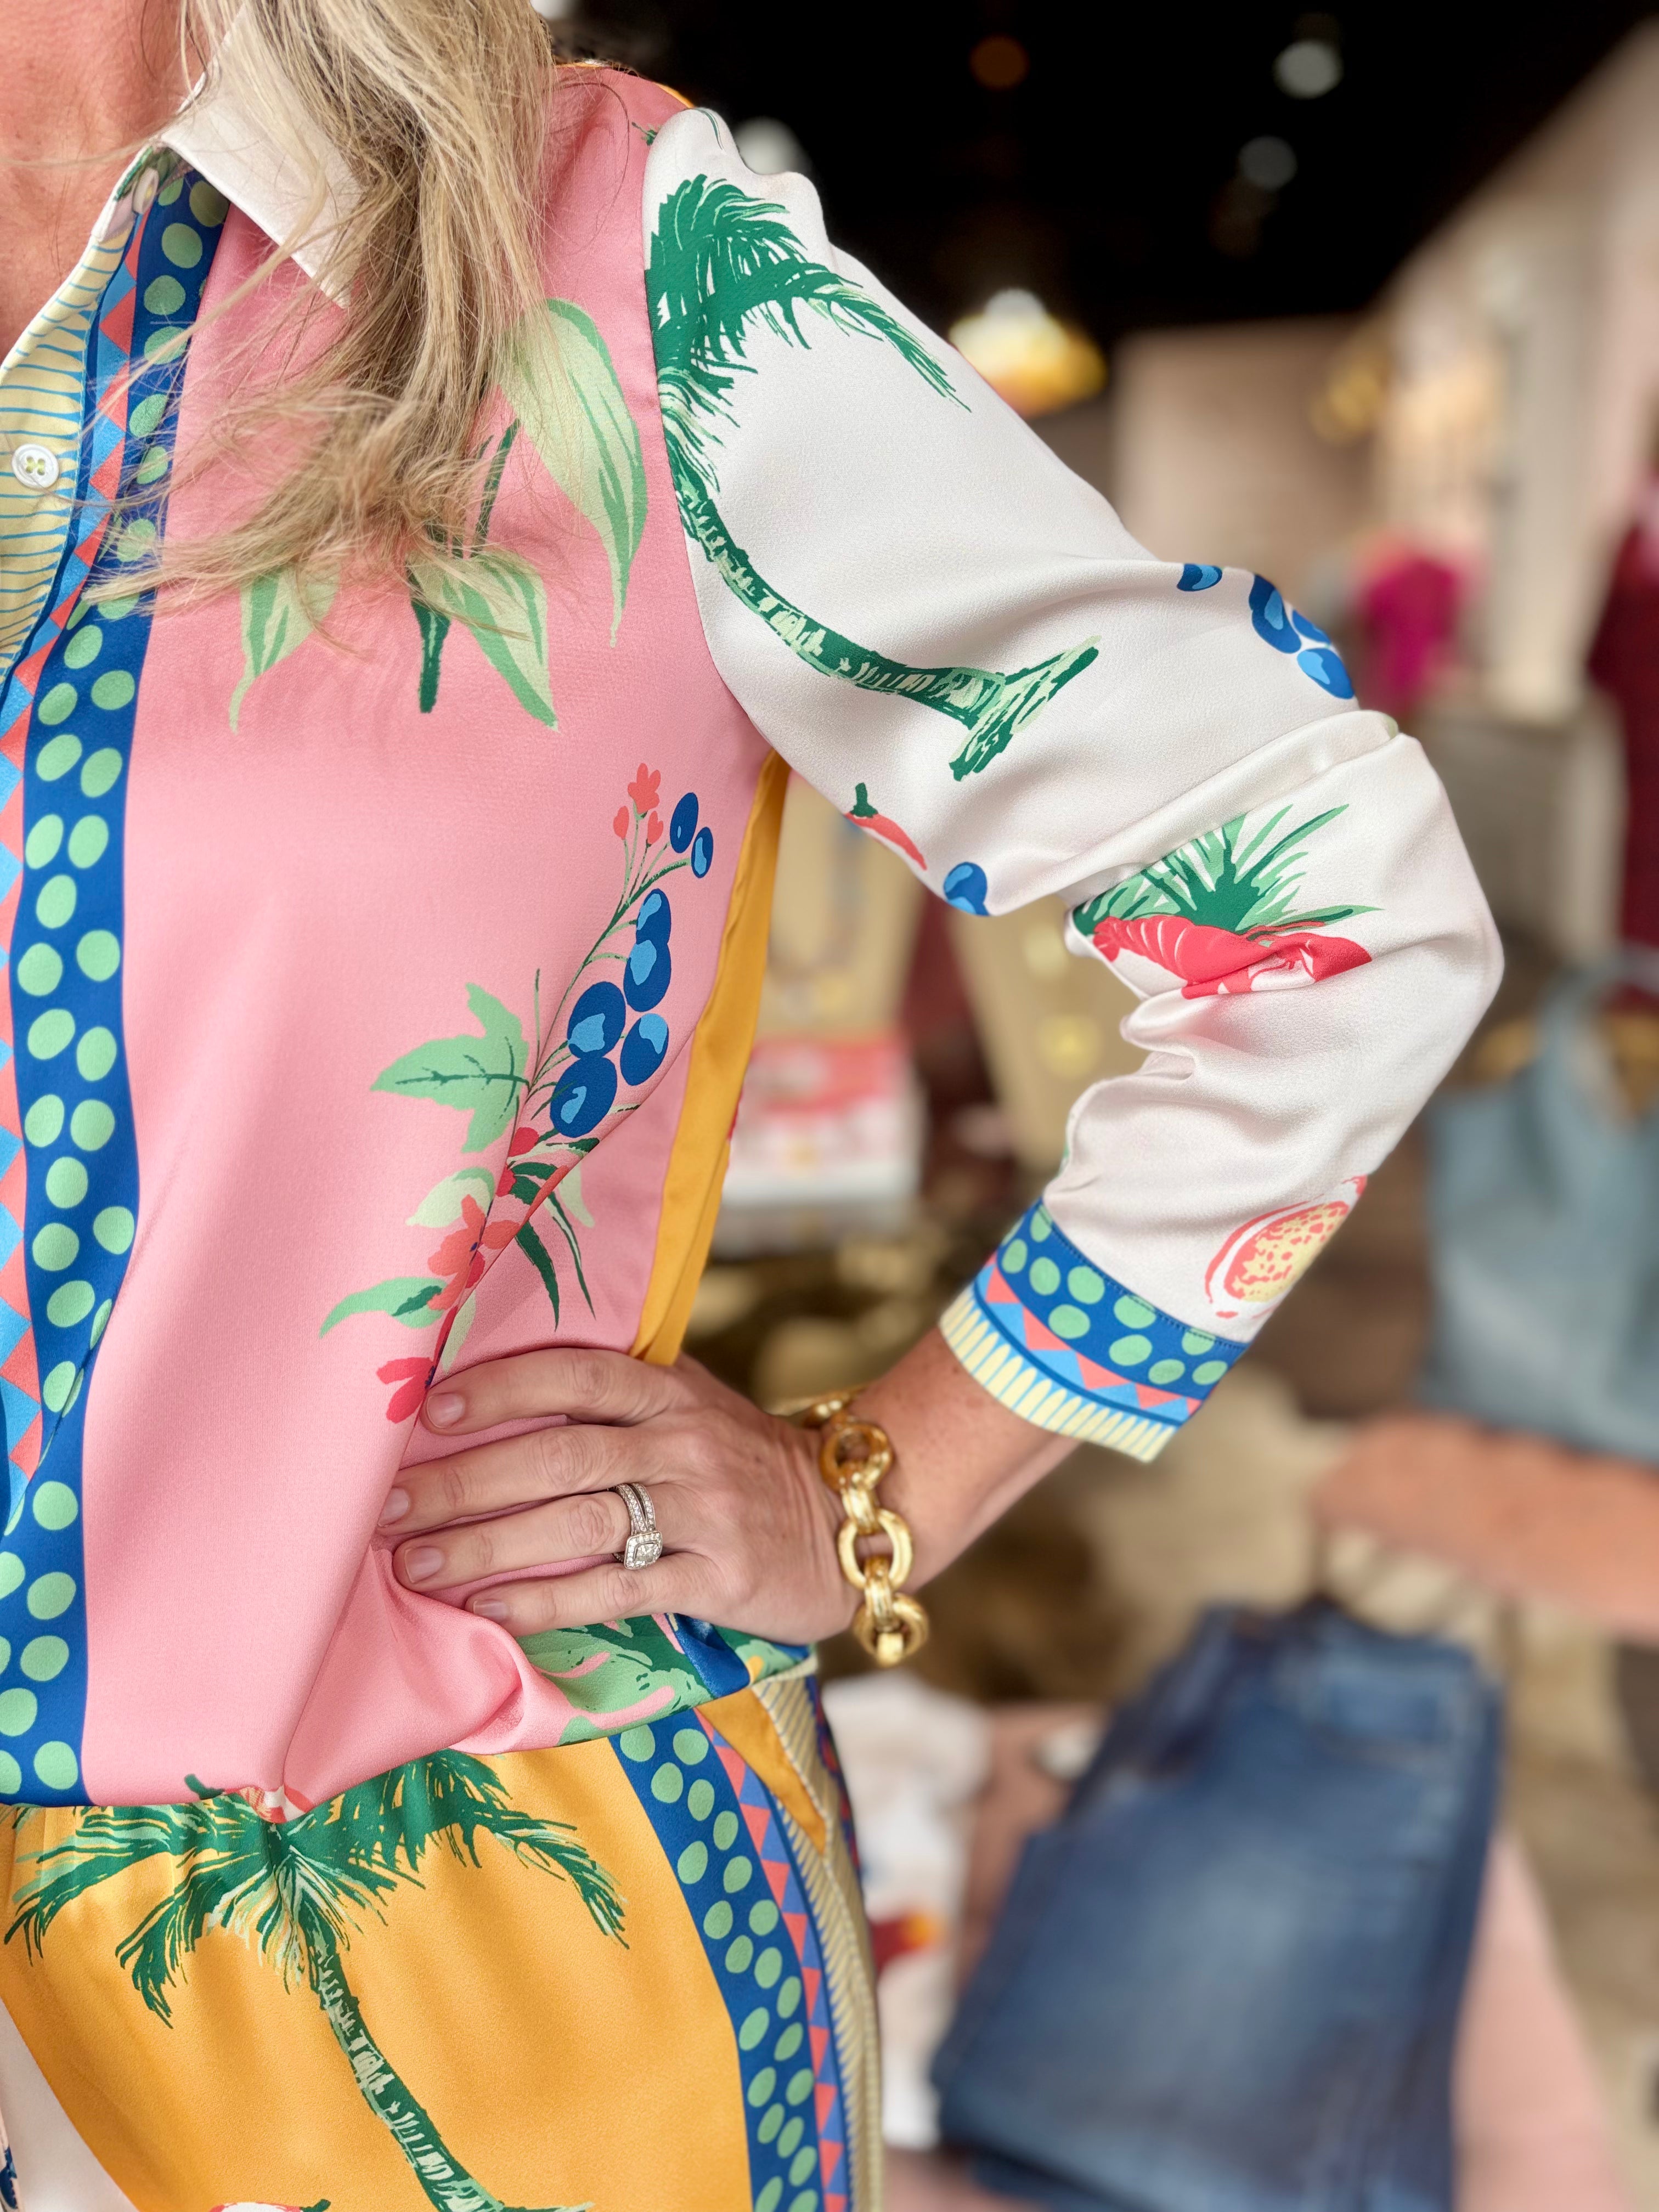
x: 560, y: 2065
x: 41, y: 388
x: 719, y: 1054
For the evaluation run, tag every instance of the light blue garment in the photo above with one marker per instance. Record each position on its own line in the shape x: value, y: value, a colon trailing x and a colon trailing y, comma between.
x: 1544, y: 1224
x: 1228, y: 1979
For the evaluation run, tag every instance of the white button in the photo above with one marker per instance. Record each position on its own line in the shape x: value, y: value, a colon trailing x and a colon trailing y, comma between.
x: 143, y: 192
x: 35, y: 465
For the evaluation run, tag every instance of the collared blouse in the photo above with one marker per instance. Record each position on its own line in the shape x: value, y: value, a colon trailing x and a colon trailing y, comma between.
x: 383, y: 961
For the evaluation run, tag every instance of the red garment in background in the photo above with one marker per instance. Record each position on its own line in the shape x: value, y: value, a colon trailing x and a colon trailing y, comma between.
x: 1624, y: 661
x: 1408, y: 605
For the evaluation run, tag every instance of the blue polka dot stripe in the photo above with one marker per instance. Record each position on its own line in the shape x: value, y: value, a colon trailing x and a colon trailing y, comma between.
x: 1063, y: 1344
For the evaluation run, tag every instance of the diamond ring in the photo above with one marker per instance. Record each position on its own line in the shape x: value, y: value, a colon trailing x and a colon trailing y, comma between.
x: 644, y: 1545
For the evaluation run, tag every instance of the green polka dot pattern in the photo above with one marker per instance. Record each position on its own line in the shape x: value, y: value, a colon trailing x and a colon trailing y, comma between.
x: 722, y: 1835
x: 1052, y: 1335
x: 73, y: 1123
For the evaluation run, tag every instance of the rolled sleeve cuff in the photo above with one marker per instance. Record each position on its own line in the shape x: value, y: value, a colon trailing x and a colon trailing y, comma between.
x: 1060, y: 1342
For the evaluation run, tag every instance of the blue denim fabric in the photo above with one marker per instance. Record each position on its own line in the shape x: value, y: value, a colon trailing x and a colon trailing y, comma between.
x: 1228, y: 1979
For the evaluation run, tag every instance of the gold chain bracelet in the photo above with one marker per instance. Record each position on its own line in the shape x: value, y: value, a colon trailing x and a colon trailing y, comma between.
x: 853, y: 1457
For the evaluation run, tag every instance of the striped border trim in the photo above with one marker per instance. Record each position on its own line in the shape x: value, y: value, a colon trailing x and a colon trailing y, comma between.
x: 1018, y: 1383
x: 831, y: 1881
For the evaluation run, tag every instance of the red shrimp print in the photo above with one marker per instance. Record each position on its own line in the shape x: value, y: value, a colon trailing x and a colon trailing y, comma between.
x: 1220, y: 963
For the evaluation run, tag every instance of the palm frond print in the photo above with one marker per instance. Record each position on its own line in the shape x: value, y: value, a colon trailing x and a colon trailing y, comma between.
x: 722, y: 264
x: 296, y: 1890
x: 719, y: 261
x: 1227, y: 881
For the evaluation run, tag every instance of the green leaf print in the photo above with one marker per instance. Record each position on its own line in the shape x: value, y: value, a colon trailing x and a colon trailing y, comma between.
x: 542, y: 1260
x: 503, y: 602
x: 720, y: 262
x: 612, y: 1667
x: 1226, y: 880
x: 277, y: 614
x: 482, y: 1075
x: 562, y: 385
x: 442, y: 1203
x: 407, y: 1298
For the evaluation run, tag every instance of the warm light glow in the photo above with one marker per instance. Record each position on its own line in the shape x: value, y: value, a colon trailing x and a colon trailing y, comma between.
x: 1000, y: 63
x: 1308, y: 68
x: 1349, y: 404
x: 770, y: 146
x: 1036, y: 362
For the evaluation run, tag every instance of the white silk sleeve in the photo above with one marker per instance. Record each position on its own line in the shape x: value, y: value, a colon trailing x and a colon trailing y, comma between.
x: 956, y: 641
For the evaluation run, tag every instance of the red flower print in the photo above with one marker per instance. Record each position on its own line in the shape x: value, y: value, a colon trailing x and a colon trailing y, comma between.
x: 620, y: 825
x: 460, y: 1258
x: 653, y: 830
x: 644, y: 788
x: 411, y: 1377
x: 524, y: 1140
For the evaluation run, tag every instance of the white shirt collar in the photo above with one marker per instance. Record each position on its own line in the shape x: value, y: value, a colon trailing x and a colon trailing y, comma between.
x: 220, y: 139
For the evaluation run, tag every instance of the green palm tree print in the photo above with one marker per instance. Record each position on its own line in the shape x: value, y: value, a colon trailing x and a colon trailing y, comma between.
x: 297, y: 1890
x: 719, y: 262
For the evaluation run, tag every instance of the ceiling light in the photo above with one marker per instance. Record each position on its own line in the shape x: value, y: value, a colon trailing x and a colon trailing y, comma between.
x: 1000, y: 63
x: 1268, y: 162
x: 770, y: 147
x: 1036, y: 364
x: 1308, y: 68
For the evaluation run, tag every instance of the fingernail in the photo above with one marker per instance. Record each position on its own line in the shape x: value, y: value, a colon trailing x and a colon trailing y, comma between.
x: 421, y: 1565
x: 445, y: 1410
x: 396, y: 1504
x: 491, y: 1608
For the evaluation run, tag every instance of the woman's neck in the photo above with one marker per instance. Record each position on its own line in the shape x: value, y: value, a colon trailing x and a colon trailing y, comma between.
x: 87, y: 80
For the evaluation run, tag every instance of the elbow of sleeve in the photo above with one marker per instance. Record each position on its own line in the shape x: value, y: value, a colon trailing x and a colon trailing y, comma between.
x: 1478, y: 966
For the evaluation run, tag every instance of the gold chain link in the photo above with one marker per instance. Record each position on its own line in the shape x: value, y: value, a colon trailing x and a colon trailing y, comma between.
x: 853, y: 1457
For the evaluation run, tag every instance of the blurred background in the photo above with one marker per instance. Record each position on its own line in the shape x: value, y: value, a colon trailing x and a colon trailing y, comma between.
x: 1367, y: 302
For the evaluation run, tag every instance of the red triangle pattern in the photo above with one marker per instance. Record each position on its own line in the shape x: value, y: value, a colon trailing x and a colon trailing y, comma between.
x: 819, y: 2039
x: 777, y: 1878
x: 25, y: 1455
x: 1039, y: 1338
x: 828, y: 2159
x: 796, y: 1924
x: 756, y: 1817
x: 22, y: 1368
x: 824, y: 2098
x: 116, y: 325
x: 1097, y: 1378
x: 997, y: 1291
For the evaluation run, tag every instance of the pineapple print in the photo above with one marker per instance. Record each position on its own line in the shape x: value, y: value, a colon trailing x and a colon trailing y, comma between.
x: 1221, y: 913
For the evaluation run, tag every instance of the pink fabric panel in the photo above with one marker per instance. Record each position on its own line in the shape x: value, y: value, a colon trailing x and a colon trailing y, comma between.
x: 307, y: 899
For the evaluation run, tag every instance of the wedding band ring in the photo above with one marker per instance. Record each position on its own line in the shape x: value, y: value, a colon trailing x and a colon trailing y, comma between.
x: 644, y: 1545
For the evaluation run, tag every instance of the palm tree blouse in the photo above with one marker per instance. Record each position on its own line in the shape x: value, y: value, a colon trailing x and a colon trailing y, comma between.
x: 383, y: 961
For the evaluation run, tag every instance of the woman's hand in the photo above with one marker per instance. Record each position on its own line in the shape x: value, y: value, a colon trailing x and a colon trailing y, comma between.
x: 747, y: 1524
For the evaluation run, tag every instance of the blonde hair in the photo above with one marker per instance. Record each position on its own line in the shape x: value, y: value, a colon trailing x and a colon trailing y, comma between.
x: 434, y: 113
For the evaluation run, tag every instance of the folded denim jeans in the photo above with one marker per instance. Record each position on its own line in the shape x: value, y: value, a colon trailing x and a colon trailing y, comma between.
x: 1229, y: 1979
